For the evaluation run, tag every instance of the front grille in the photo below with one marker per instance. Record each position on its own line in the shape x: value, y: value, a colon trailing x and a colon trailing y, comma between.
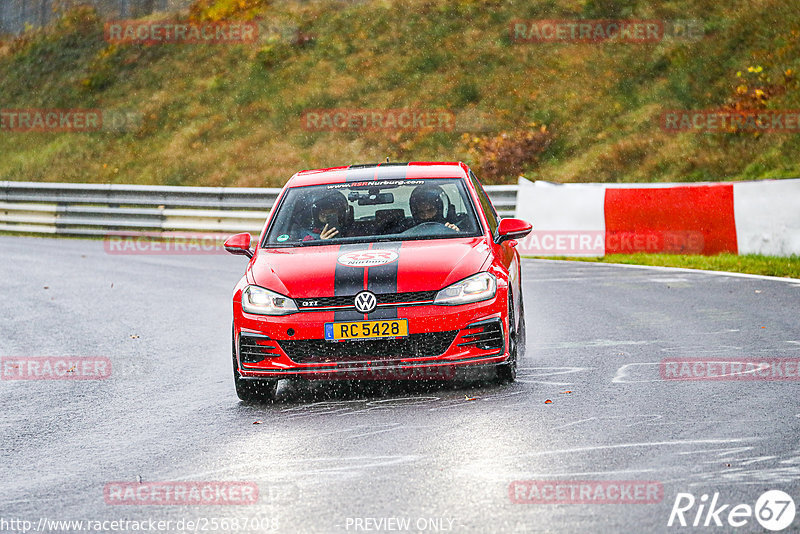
x: 390, y: 298
x: 487, y: 335
x: 427, y: 345
x: 253, y: 349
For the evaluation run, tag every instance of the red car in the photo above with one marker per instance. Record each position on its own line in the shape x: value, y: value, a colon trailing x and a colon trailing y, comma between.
x: 380, y: 271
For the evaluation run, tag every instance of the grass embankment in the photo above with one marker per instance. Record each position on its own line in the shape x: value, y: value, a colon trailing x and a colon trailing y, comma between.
x: 231, y: 115
x: 749, y: 263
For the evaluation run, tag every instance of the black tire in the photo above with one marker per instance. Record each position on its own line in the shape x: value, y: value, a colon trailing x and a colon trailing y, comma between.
x: 507, y: 371
x: 250, y: 390
x: 521, y: 333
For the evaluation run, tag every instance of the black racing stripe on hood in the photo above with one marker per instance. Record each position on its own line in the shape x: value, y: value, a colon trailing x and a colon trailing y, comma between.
x: 382, y: 279
x: 347, y: 281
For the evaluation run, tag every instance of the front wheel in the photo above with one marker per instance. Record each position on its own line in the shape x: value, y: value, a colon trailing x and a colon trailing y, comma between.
x: 507, y: 371
x: 252, y: 390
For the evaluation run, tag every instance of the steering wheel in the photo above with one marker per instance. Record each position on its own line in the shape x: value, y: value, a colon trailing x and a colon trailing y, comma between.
x: 459, y: 220
x: 429, y: 228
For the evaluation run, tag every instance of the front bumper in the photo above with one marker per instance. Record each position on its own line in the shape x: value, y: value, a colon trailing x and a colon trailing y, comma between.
x: 441, y: 340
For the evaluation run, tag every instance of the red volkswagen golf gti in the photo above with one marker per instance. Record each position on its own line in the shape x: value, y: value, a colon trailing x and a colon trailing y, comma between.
x: 378, y: 271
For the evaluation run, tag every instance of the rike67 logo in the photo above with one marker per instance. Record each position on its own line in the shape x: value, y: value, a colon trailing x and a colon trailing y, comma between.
x: 774, y: 510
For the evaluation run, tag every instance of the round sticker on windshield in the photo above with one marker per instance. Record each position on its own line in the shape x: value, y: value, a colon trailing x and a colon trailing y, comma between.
x: 367, y: 258
x: 282, y: 238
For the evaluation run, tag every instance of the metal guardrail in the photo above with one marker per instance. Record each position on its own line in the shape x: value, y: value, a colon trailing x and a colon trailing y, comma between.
x: 100, y: 209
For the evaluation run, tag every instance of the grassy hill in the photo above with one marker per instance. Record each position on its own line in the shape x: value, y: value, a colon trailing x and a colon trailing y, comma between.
x: 232, y: 115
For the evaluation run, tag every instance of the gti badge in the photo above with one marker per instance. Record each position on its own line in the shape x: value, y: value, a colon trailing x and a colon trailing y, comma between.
x: 366, y: 302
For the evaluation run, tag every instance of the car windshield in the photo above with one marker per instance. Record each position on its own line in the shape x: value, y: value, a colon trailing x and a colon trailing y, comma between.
x: 379, y: 210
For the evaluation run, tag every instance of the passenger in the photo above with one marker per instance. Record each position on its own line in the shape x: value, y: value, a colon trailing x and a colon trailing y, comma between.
x: 329, y: 217
x: 427, y: 206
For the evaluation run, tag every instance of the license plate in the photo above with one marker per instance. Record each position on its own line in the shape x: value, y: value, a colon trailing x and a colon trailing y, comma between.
x: 366, y: 329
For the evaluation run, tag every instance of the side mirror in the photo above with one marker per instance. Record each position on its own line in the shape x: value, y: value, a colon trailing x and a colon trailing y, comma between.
x: 512, y: 229
x: 239, y: 244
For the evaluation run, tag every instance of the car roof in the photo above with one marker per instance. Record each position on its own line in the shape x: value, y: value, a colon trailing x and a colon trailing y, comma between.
x: 413, y: 170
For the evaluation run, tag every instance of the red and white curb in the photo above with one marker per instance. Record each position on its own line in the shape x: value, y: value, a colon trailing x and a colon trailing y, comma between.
x: 760, y: 217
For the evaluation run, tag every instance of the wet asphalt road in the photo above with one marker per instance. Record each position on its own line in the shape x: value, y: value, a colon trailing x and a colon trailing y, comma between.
x: 342, y: 457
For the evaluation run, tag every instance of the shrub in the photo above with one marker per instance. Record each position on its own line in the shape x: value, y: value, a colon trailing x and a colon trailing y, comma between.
x: 505, y: 156
x: 217, y: 10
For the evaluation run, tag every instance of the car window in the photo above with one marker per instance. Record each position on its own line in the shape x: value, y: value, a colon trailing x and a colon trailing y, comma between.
x: 385, y: 210
x: 486, y: 204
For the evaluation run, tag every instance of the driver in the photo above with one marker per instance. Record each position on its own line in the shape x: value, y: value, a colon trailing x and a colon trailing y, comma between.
x: 329, y: 215
x: 427, y: 206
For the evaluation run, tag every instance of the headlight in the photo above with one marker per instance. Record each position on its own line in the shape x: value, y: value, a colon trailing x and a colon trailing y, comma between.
x: 262, y: 301
x: 481, y: 286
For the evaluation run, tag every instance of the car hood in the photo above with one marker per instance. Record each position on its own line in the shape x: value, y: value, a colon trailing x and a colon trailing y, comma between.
x: 390, y: 267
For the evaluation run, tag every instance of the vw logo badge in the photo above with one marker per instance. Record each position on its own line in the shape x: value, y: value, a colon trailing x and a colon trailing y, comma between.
x: 366, y: 301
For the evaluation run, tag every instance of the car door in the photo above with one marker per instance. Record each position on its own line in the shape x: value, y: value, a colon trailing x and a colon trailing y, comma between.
x: 505, y: 251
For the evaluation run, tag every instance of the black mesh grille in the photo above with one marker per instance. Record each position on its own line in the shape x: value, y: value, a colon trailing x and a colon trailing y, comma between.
x: 254, y: 349
x: 414, y: 346
x: 490, y: 337
x: 391, y: 298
